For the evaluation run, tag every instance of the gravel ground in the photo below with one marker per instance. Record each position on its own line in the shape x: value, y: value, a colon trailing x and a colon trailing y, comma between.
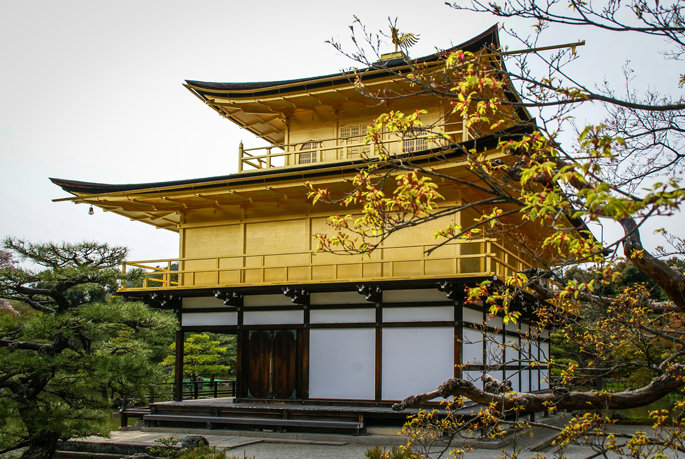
x: 256, y: 445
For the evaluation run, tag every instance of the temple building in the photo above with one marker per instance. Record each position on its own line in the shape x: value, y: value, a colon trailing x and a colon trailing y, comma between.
x: 315, y: 328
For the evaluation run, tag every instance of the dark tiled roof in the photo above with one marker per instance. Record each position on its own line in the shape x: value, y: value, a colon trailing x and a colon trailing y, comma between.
x: 488, y: 37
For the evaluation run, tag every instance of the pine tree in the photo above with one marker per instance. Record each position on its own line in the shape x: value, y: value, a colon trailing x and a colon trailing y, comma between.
x: 68, y: 342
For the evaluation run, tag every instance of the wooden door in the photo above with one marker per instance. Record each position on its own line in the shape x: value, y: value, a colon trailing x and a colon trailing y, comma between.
x: 272, y: 364
x: 284, y: 364
x: 259, y: 364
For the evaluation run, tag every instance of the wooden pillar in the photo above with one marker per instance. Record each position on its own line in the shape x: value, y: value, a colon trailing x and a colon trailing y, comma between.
x: 379, y: 353
x: 178, y: 369
x: 458, y: 336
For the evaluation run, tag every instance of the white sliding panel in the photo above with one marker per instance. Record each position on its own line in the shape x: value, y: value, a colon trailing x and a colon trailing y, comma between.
x: 342, y: 316
x: 512, y: 349
x: 525, y: 380
x: 472, y: 347
x: 493, y: 347
x: 497, y: 374
x: 513, y: 376
x: 534, y: 351
x: 472, y: 316
x: 416, y: 360
x: 544, y: 379
x: 420, y: 314
x: 342, y: 363
x: 495, y: 322
x: 475, y: 377
x: 544, y: 351
x: 534, y: 379
x: 209, y: 318
x: 273, y: 317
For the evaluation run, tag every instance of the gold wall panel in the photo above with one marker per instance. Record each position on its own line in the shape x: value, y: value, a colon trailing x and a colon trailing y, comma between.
x: 213, y: 241
x: 276, y: 237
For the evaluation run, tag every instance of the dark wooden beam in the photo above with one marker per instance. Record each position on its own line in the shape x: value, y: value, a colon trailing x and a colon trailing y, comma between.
x: 178, y: 367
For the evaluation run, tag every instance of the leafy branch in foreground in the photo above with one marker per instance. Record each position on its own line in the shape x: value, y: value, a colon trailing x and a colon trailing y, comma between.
x: 623, y: 171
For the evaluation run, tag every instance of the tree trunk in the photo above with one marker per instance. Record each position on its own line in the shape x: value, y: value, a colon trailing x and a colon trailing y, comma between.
x: 535, y: 402
x: 43, y: 447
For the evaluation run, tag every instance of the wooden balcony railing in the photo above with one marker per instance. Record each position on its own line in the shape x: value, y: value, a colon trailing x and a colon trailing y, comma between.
x: 333, y: 149
x: 475, y: 258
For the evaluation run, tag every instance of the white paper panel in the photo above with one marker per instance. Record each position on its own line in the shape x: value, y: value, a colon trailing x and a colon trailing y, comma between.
x: 413, y: 296
x: 273, y: 317
x: 420, y: 314
x: 544, y: 379
x: 511, y: 351
x: 534, y: 380
x: 427, y: 352
x: 513, y: 376
x: 534, y: 351
x: 495, y: 322
x: 472, y: 346
x: 496, y: 374
x: 524, y: 328
x: 342, y: 363
x: 544, y: 351
x: 511, y: 326
x: 474, y: 377
x: 209, y: 318
x: 338, y: 298
x: 525, y: 380
x: 493, y: 349
x: 472, y: 316
x: 266, y: 300
x: 342, y: 316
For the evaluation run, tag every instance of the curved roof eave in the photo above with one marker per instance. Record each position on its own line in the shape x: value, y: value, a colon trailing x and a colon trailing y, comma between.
x: 264, y: 88
x: 77, y: 187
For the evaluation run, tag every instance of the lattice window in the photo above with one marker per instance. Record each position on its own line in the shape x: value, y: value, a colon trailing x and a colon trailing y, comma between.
x: 411, y: 145
x: 354, y: 134
x: 308, y: 157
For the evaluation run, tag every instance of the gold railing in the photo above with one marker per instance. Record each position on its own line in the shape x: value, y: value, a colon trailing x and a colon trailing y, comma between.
x: 333, y: 149
x: 475, y: 258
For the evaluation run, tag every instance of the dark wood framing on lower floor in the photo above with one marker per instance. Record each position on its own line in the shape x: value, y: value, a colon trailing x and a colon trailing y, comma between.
x: 274, y: 330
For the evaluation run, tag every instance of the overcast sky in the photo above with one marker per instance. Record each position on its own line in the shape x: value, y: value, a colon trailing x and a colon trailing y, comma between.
x: 92, y: 91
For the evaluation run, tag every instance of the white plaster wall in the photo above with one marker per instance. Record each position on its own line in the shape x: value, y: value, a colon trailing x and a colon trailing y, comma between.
x: 202, y: 302
x: 273, y: 317
x: 209, y: 318
x: 413, y: 296
x: 342, y: 316
x: 266, y: 300
x: 534, y: 379
x: 342, y: 363
x: 419, y: 314
x: 337, y: 298
x: 416, y: 360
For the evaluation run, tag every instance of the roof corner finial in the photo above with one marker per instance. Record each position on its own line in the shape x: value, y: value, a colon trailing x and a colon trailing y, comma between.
x: 401, y: 40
